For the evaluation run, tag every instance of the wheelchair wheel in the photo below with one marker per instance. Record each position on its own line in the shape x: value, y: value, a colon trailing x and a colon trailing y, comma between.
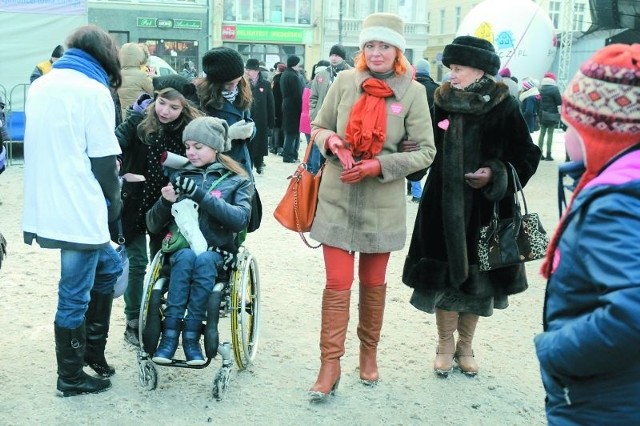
x: 147, y: 374
x: 150, y: 318
x: 245, y: 308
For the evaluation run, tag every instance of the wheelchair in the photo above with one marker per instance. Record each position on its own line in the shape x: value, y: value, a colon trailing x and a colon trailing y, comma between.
x: 236, y: 295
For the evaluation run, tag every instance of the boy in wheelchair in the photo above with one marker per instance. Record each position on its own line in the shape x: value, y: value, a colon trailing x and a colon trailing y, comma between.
x: 221, y: 191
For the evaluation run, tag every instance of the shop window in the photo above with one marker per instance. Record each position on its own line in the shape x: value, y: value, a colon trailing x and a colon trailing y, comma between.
x: 175, y: 52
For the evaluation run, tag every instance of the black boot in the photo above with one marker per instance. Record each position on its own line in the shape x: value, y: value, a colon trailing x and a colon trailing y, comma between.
x: 191, y: 342
x: 211, y: 336
x: 97, y: 321
x: 70, y: 348
x: 169, y: 342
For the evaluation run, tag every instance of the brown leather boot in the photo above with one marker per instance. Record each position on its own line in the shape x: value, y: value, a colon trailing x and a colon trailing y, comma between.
x: 335, y: 319
x: 447, y: 322
x: 371, y: 312
x: 464, y: 352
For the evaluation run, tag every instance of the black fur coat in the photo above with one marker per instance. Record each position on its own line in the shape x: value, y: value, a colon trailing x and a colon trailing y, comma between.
x: 485, y: 129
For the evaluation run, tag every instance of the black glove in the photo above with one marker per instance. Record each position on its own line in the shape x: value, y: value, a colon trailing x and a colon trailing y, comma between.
x: 188, y: 187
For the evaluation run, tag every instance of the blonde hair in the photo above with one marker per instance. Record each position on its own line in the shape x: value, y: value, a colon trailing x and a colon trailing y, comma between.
x: 231, y: 164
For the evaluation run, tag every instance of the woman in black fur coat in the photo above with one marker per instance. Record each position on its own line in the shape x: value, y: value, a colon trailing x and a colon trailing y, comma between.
x: 479, y: 129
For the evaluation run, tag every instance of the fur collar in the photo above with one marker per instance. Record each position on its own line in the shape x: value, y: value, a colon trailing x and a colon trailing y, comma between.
x: 451, y: 99
x: 399, y: 84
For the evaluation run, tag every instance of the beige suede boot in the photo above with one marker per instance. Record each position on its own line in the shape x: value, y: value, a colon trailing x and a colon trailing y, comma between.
x: 447, y: 322
x: 464, y: 352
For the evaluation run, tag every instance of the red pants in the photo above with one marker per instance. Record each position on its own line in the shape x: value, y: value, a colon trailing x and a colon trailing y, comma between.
x: 339, y: 263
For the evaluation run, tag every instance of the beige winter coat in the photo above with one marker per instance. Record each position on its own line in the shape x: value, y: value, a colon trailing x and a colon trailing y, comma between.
x: 135, y: 81
x: 370, y: 216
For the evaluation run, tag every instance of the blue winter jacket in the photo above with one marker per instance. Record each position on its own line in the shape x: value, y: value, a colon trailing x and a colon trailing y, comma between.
x: 223, y: 212
x: 589, y: 352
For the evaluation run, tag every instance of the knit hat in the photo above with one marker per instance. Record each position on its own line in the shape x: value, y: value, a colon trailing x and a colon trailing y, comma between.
x: 385, y: 27
x: 336, y: 49
x: 210, y: 131
x: 423, y: 67
x: 57, y: 52
x: 222, y: 64
x: 176, y: 81
x: 527, y: 84
x: 505, y: 73
x: 292, y: 61
x: 550, y: 75
x: 602, y: 104
x: 252, y: 64
x: 472, y: 52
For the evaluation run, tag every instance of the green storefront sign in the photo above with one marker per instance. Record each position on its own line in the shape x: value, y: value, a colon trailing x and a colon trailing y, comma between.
x: 182, y: 24
x: 187, y: 24
x: 273, y: 34
x: 147, y: 22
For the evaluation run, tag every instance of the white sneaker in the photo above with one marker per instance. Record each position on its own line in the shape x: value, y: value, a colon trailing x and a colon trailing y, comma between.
x: 186, y: 214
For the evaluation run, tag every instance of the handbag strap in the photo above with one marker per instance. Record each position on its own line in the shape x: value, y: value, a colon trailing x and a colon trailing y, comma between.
x: 517, y: 187
x: 297, y: 175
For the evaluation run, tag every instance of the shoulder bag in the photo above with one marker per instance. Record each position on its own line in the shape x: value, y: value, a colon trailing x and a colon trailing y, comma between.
x: 297, y: 209
x: 506, y: 242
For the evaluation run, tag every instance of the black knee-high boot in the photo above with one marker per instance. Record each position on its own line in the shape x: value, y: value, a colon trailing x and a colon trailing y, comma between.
x: 70, y: 349
x: 97, y: 320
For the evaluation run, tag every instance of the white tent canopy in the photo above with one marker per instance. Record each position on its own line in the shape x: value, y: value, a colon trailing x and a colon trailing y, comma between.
x: 30, y: 30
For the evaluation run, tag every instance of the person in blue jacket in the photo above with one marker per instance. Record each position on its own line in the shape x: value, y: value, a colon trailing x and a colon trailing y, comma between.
x: 224, y: 201
x: 589, y: 351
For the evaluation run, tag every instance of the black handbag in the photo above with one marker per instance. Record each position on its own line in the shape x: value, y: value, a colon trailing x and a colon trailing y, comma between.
x: 509, y: 241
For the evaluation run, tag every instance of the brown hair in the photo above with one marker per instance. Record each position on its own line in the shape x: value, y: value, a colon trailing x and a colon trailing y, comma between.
x: 99, y: 44
x: 150, y: 124
x: 210, y: 94
x: 399, y: 66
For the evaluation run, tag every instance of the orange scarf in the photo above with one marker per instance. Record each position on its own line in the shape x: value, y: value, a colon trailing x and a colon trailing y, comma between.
x: 367, y: 126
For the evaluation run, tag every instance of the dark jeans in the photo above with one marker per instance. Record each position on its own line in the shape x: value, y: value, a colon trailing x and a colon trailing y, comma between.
x: 138, y: 260
x: 191, y: 283
x: 291, y: 146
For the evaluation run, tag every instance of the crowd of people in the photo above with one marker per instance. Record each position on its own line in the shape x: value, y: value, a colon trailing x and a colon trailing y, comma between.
x: 379, y: 125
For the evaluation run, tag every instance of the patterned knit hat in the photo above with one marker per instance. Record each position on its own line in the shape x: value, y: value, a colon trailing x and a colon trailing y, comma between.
x: 222, y: 64
x: 385, y: 27
x: 472, y: 52
x: 527, y: 84
x: 210, y: 131
x: 602, y: 103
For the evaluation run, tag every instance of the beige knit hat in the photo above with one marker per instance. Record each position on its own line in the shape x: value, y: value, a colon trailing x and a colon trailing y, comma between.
x: 386, y: 27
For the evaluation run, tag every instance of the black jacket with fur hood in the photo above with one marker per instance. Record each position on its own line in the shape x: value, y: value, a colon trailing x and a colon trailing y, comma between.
x: 485, y: 129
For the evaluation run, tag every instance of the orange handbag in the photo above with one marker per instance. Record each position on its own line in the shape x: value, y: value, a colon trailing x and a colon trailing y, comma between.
x: 297, y: 209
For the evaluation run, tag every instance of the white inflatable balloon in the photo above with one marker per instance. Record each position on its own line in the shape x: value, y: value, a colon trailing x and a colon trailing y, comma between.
x: 520, y: 31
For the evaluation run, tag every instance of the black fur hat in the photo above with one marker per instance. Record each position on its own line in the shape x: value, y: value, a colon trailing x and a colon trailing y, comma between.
x: 472, y: 52
x: 222, y: 64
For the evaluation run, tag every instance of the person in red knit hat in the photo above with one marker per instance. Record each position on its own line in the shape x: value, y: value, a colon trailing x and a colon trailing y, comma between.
x: 589, y: 351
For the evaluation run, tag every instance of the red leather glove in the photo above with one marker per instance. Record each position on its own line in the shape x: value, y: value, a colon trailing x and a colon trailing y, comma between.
x: 336, y: 146
x: 361, y: 170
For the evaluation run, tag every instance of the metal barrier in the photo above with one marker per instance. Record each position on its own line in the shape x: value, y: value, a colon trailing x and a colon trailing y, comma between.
x: 15, y: 119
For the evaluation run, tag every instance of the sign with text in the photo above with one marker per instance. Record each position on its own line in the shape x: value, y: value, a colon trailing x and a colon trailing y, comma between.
x: 262, y: 33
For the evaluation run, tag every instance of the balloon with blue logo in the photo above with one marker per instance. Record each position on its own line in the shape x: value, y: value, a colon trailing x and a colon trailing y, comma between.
x: 520, y: 31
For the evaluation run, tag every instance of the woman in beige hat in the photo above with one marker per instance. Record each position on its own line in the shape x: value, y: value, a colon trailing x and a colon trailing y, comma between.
x: 367, y: 112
